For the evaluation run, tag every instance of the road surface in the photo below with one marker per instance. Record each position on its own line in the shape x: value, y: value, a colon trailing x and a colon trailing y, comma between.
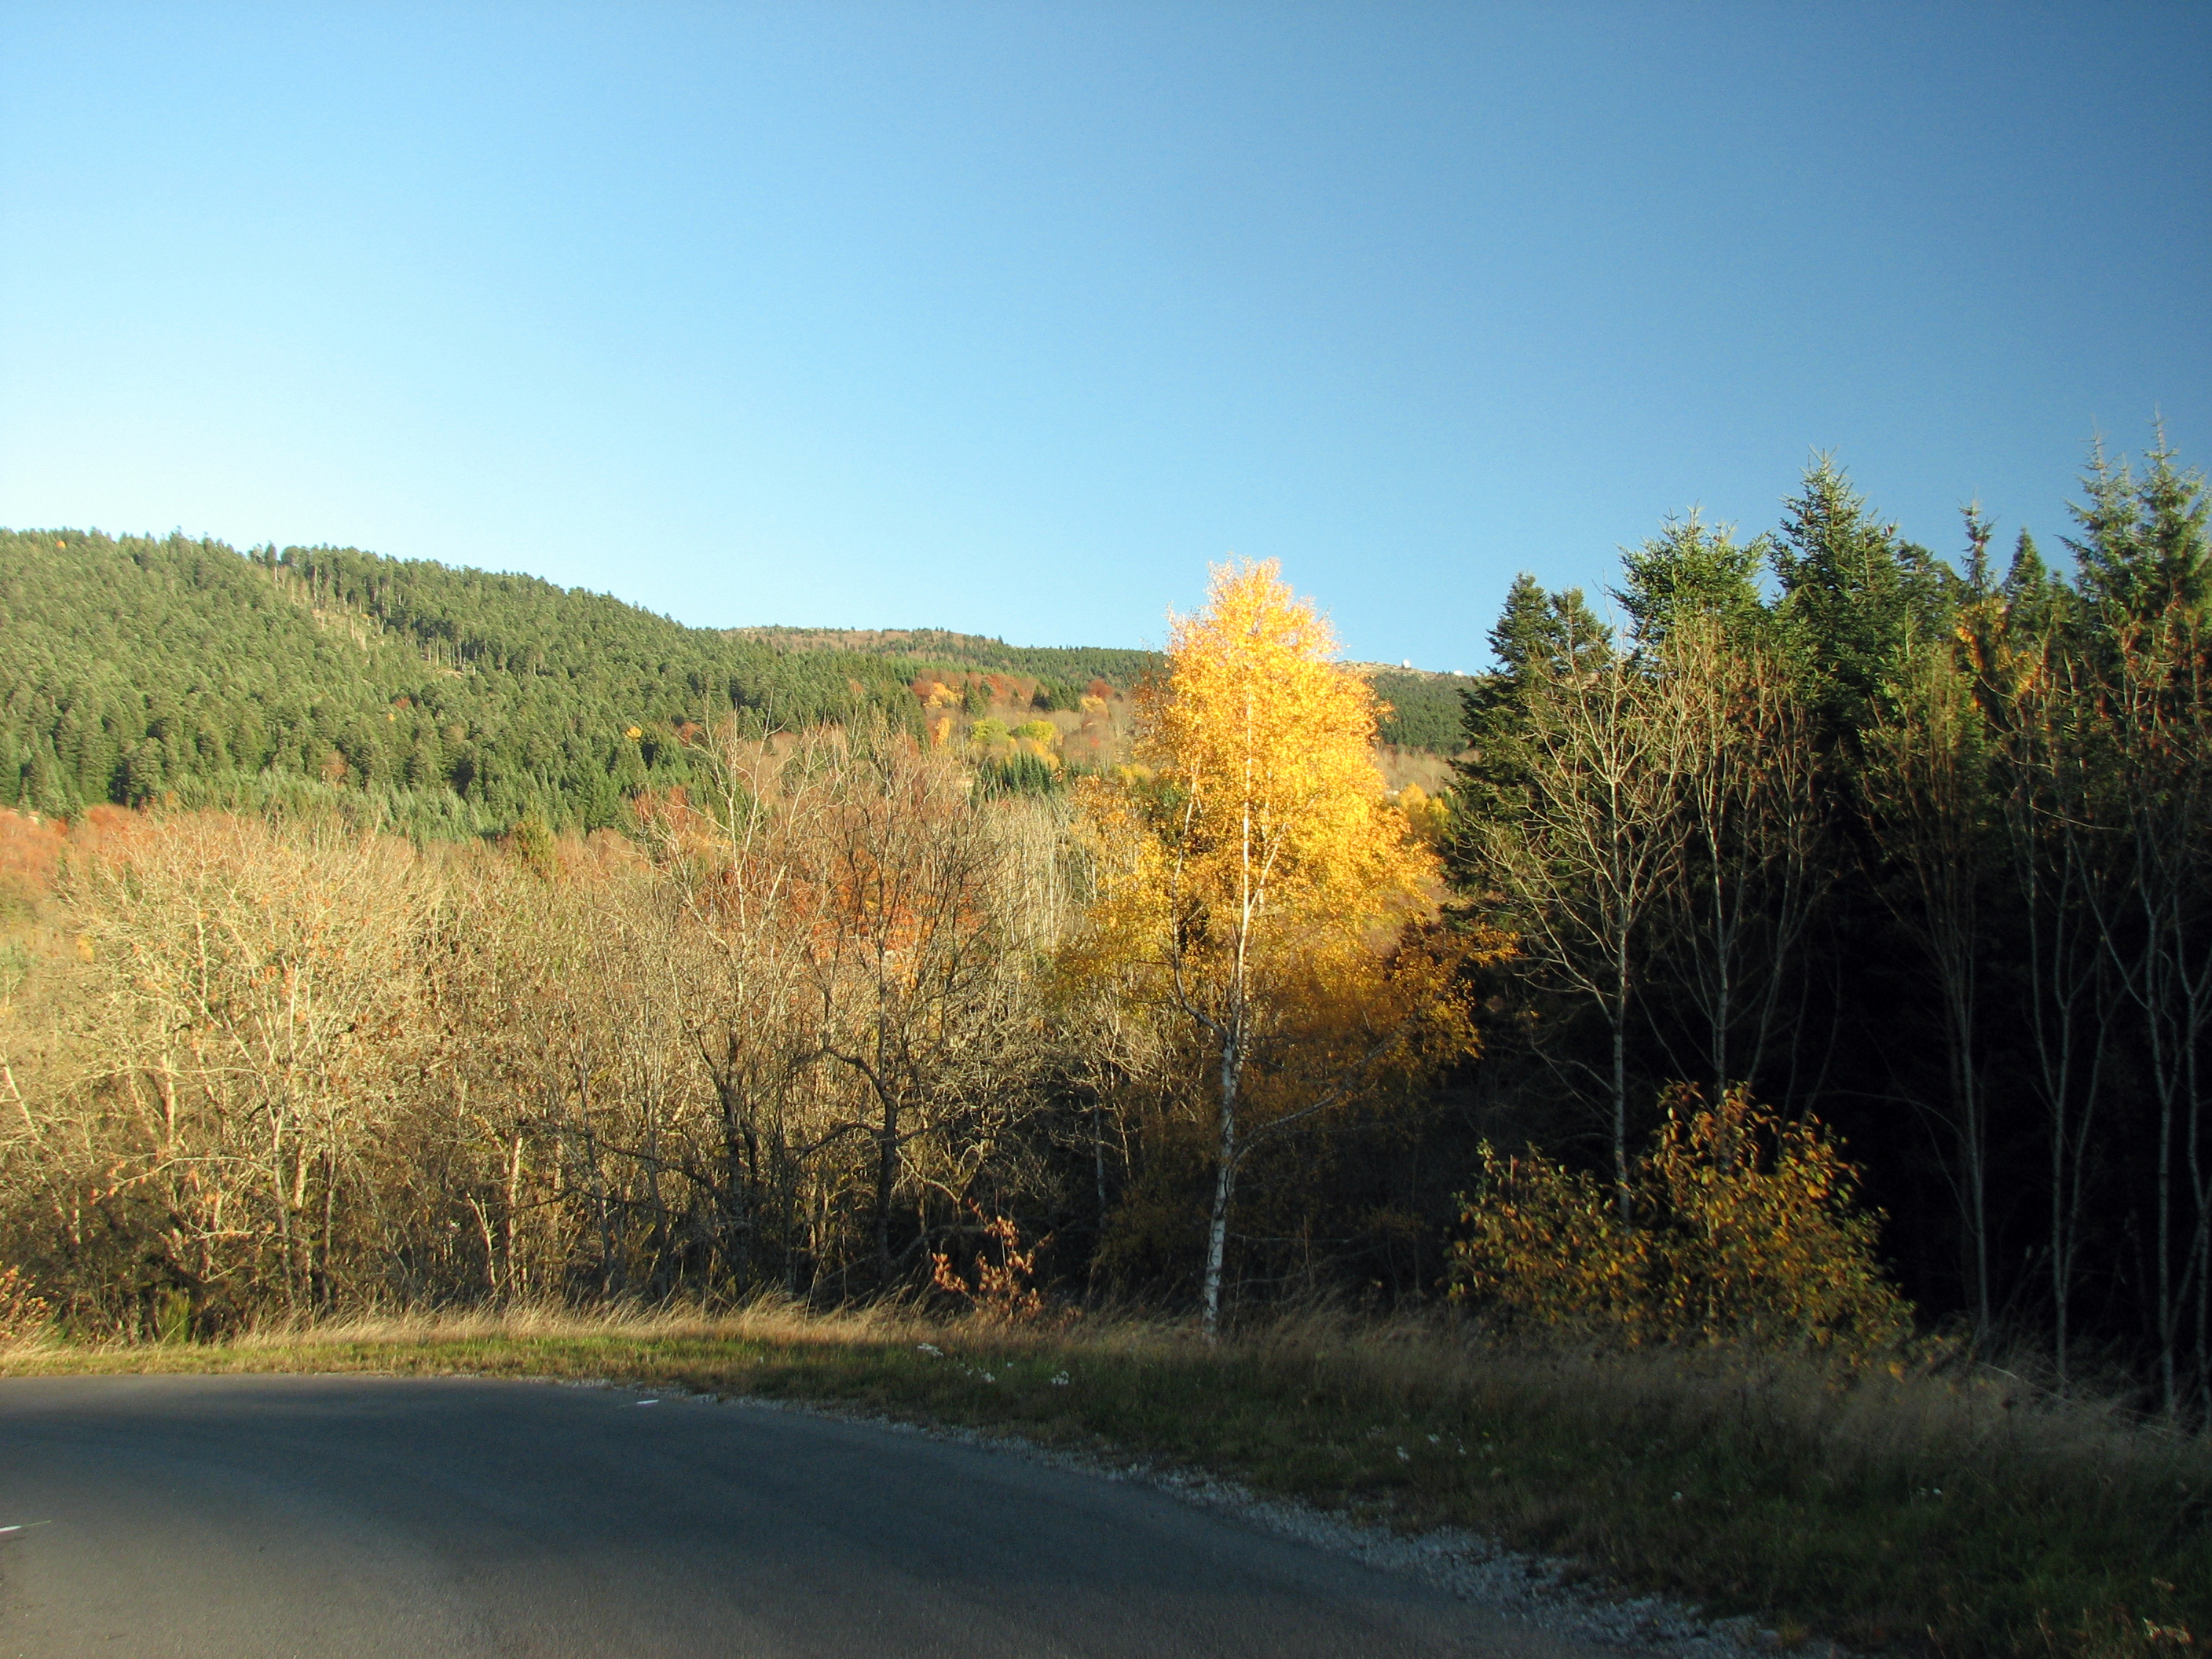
x: 232, y: 1518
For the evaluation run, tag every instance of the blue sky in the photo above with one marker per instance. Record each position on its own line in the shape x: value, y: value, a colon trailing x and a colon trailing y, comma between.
x: 1011, y: 319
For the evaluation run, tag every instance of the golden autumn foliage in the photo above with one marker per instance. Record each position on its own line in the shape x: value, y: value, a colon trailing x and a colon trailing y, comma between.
x: 1250, y: 838
x: 1268, y: 745
x: 1426, y: 816
x: 1744, y: 1230
x: 1255, y: 887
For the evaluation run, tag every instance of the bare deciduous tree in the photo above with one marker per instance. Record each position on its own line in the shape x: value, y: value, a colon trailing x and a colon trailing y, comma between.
x: 1585, y: 871
x: 1751, y: 867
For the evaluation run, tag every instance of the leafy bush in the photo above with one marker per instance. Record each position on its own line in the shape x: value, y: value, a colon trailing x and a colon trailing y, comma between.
x: 1740, y: 1227
x: 1004, y: 1289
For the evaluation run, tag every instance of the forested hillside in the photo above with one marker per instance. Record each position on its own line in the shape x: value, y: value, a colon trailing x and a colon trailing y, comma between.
x: 1835, y: 863
x: 443, y: 700
x: 440, y: 701
x: 1059, y: 667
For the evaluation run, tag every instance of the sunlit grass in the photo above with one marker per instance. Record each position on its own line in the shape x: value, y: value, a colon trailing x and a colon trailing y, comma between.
x: 1963, y: 1513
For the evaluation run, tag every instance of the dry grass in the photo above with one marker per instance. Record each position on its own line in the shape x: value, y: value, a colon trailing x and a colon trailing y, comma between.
x: 1963, y: 1513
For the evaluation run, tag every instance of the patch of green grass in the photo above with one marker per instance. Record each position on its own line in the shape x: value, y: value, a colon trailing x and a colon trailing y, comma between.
x: 1952, y: 1515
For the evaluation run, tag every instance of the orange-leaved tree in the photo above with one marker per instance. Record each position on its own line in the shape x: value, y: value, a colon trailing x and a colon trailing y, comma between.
x: 1255, y: 885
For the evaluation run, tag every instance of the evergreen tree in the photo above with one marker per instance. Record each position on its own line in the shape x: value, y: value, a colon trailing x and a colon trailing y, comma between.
x: 1691, y: 569
x: 1855, y: 597
x: 1538, y: 638
x: 2142, y: 550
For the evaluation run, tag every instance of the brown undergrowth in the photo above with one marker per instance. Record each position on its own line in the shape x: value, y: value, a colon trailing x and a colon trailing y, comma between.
x: 1956, y: 1512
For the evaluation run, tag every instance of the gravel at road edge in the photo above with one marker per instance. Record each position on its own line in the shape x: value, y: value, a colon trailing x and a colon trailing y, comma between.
x: 1552, y: 1593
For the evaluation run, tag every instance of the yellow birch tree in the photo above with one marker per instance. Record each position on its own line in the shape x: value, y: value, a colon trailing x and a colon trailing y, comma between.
x: 1254, y: 881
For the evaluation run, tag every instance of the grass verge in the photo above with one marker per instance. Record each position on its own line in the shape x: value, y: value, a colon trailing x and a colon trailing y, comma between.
x: 1959, y: 1516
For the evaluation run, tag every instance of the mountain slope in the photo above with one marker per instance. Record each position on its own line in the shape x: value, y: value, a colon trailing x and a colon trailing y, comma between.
x: 446, y: 700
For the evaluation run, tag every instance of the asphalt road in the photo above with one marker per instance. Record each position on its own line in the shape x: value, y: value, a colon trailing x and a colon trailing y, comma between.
x: 234, y: 1517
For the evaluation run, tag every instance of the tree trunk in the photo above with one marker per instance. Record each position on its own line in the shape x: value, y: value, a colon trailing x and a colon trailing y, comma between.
x: 1224, y: 1186
x: 1620, y: 1084
x: 513, y: 1209
x: 887, y: 1167
x: 740, y: 1157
